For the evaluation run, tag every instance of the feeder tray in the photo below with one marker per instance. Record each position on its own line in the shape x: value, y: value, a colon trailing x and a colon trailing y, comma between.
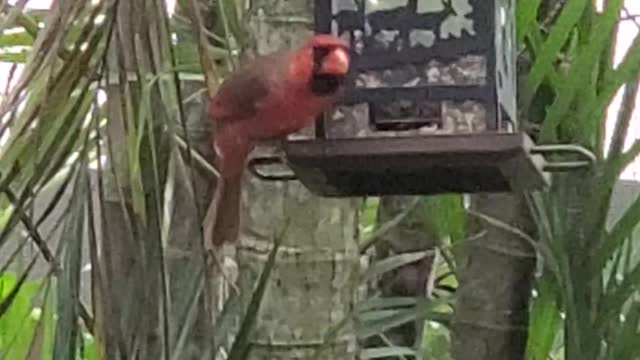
x: 471, y: 163
x: 474, y: 163
x: 412, y: 166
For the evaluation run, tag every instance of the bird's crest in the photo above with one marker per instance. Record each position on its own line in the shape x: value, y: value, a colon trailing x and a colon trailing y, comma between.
x: 327, y: 40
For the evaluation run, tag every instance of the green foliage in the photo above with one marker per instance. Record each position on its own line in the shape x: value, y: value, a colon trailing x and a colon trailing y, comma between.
x: 443, y: 216
x: 45, y: 138
x: 18, y: 323
x: 586, y: 286
x: 55, y: 129
x: 436, y: 342
x: 368, y: 218
x: 446, y: 215
x: 28, y: 326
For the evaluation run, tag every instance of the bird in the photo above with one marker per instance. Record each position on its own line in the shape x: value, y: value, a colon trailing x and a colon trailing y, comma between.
x: 266, y: 99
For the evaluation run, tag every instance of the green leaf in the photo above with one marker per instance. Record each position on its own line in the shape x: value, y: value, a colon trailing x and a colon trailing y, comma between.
x: 558, y: 36
x: 17, y: 38
x: 393, y: 262
x: 544, y: 323
x: 624, y: 342
x: 13, y: 57
x: 38, y: 348
x: 386, y: 302
x: 240, y: 348
x: 68, y: 333
x: 371, y: 323
x: 90, y: 350
x: 599, y: 44
x: 580, y: 82
x: 437, y: 342
x: 447, y: 215
x: 621, y: 230
x: 526, y: 11
x: 386, y: 352
x: 368, y: 219
x: 614, y: 79
x: 16, y: 324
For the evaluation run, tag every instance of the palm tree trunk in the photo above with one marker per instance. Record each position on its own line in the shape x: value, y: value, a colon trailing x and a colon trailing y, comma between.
x: 314, y: 281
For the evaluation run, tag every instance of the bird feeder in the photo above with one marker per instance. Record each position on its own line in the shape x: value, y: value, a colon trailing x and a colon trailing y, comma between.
x: 429, y: 105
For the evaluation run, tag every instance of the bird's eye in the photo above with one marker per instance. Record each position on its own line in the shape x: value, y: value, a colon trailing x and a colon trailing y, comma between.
x: 319, y: 53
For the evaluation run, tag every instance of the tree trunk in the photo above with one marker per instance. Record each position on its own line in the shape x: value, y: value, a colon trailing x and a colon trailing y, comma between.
x: 495, y: 273
x: 313, y: 284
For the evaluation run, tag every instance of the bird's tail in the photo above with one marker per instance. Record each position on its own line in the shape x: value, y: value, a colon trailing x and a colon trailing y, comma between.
x: 222, y: 222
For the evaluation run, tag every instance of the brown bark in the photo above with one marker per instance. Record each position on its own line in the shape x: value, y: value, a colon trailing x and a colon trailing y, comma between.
x: 495, y: 277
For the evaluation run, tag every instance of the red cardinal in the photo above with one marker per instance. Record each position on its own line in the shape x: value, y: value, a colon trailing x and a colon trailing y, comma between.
x: 267, y: 98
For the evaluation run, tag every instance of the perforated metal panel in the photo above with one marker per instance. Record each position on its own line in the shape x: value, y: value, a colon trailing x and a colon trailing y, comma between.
x: 422, y: 67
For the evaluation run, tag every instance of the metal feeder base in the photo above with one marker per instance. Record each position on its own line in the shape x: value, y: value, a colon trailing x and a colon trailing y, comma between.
x: 469, y: 163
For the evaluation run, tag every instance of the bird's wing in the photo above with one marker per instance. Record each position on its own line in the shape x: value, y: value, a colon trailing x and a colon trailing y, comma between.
x: 240, y: 95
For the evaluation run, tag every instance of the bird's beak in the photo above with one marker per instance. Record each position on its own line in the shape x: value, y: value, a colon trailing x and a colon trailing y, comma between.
x: 335, y: 63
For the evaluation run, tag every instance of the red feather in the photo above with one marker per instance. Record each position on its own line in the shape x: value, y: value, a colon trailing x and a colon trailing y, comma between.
x: 267, y: 98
